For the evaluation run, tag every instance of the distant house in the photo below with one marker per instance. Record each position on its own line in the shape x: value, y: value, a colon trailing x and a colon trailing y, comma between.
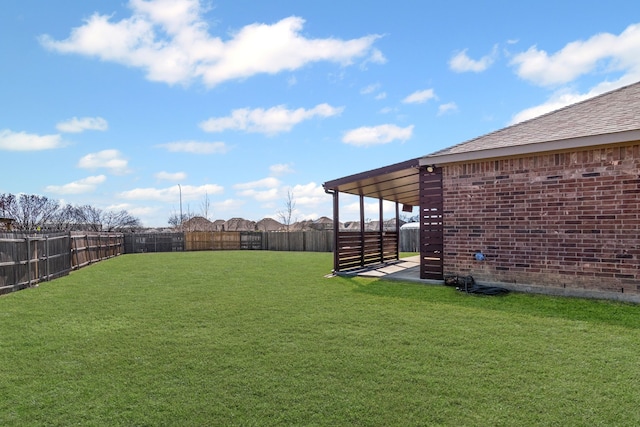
x: 6, y: 223
x: 239, y: 224
x: 218, y: 225
x: 268, y: 224
x: 550, y: 203
x: 198, y: 223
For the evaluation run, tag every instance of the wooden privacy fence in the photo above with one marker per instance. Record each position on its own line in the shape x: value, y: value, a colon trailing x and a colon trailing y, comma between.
x: 87, y: 248
x: 312, y: 241
x: 27, y: 259
x: 306, y: 241
x: 222, y: 240
x: 153, y: 242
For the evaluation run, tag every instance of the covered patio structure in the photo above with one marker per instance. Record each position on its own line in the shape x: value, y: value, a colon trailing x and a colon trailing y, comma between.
x: 408, y: 184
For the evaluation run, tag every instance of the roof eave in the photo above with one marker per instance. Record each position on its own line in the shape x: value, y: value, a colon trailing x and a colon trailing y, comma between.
x: 539, y: 147
x: 334, y: 184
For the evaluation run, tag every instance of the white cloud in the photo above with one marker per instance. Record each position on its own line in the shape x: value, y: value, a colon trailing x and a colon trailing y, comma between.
x: 461, y: 62
x: 263, y: 190
x: 119, y: 207
x: 228, y: 205
x: 85, y: 185
x: 599, y: 55
x: 420, y: 97
x: 262, y: 195
x: 137, y: 211
x: 168, y: 176
x: 269, y: 182
x: 196, y: 147
x: 173, y: 193
x: 603, y: 51
x: 449, y: 107
x: 271, y: 121
x: 76, y: 125
x: 281, y: 169
x: 377, y: 57
x: 351, y: 211
x: 370, y: 89
x: 22, y: 141
x: 108, y: 159
x: 306, y: 197
x: 309, y: 195
x: 383, y: 134
x: 170, y: 40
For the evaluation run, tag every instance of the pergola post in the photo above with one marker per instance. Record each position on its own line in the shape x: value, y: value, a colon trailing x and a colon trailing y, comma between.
x: 397, y: 230
x: 381, y: 232
x: 362, y: 231
x: 336, y: 230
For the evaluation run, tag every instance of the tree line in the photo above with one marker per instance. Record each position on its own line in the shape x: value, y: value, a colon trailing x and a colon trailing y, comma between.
x: 31, y: 212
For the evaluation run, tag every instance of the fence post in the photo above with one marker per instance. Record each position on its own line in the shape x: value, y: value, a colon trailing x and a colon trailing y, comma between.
x: 28, y: 242
x: 75, y: 250
x: 46, y: 254
x: 70, y: 251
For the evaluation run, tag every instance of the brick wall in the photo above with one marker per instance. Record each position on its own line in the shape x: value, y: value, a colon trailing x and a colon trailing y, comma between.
x: 565, y: 219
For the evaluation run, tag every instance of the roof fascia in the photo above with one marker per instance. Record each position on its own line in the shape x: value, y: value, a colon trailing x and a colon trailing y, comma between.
x: 539, y: 147
x: 333, y: 184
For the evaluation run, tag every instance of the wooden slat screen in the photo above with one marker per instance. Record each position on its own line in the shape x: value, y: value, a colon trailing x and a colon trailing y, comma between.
x: 431, y: 225
x: 356, y: 250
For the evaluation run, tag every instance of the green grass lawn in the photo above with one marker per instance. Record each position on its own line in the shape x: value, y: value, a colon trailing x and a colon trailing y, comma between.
x: 262, y: 338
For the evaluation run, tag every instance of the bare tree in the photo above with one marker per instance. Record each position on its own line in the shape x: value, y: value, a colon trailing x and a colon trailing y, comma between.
x: 286, y: 215
x: 175, y: 221
x: 206, y: 206
x: 119, y: 221
x: 30, y: 212
x: 88, y: 217
x: 187, y: 217
x: 6, y: 202
x: 65, y: 219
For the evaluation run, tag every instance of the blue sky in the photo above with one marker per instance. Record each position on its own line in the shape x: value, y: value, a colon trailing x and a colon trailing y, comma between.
x: 125, y: 104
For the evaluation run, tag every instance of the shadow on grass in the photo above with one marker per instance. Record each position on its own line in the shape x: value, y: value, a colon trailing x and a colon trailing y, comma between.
x: 578, y: 309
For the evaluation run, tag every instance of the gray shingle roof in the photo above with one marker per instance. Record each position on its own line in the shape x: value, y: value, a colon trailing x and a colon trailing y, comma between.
x: 612, y: 112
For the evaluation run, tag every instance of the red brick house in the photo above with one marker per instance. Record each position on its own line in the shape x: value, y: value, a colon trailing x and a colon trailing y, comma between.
x: 551, y: 203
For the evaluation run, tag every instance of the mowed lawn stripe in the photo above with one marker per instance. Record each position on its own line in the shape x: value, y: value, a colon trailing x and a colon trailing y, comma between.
x: 263, y: 338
